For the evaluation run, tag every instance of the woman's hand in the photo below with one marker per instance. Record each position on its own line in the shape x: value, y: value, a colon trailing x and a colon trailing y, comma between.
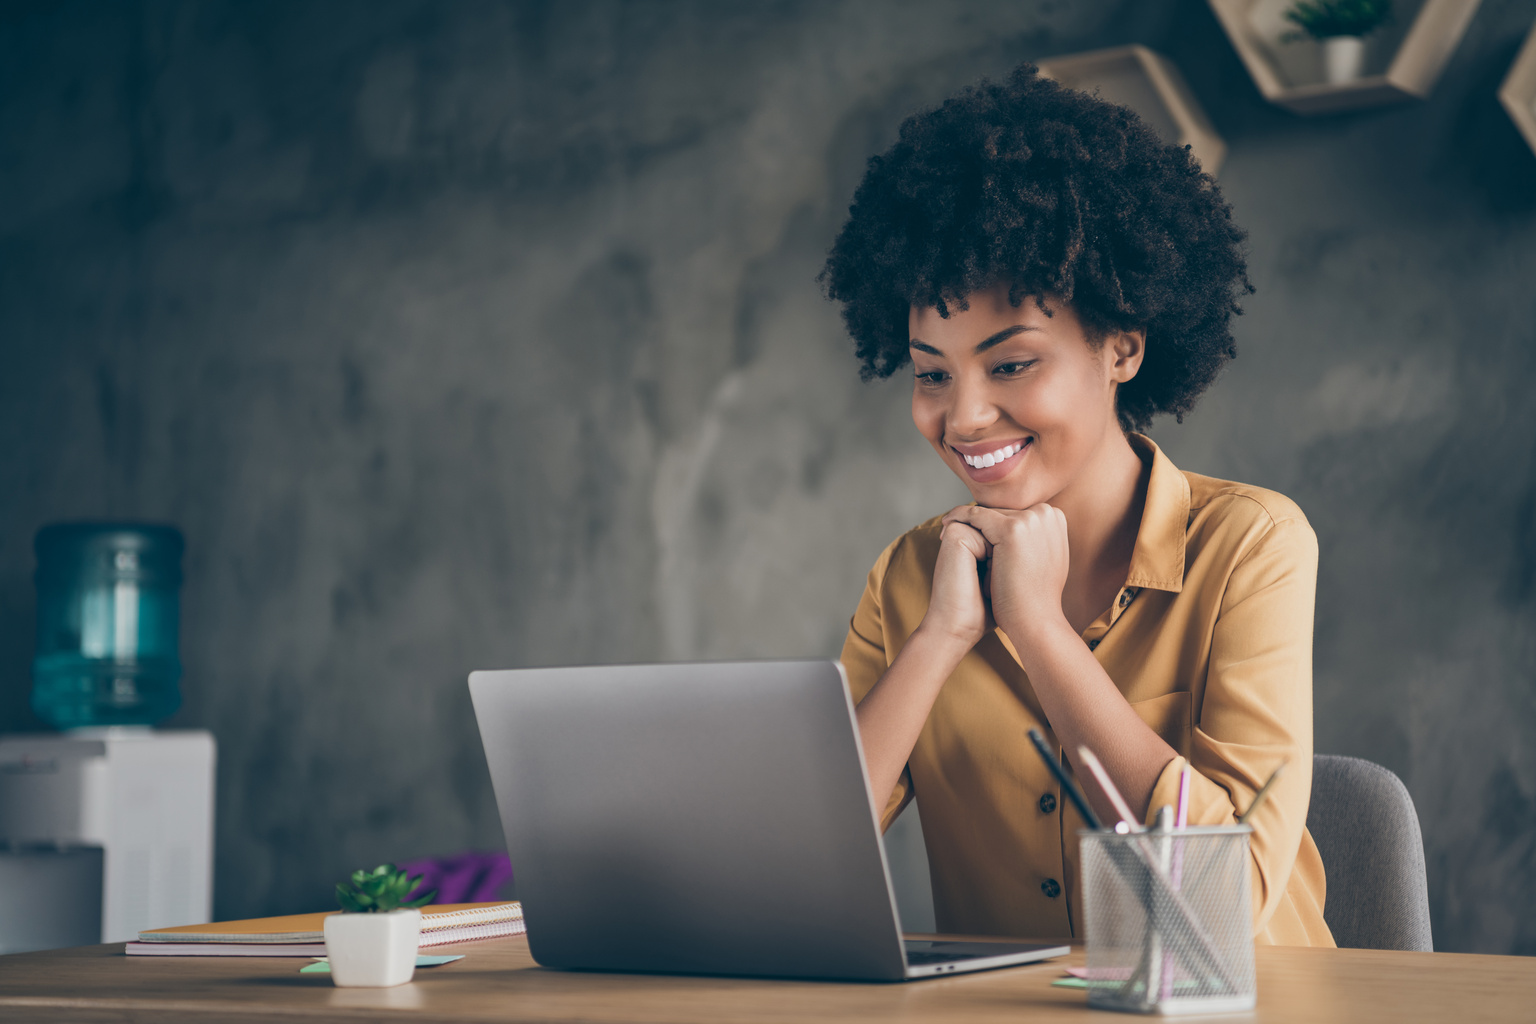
x: 1029, y: 561
x: 957, y: 609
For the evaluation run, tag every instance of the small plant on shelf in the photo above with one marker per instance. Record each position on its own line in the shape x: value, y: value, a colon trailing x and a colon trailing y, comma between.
x: 380, y: 891
x: 1341, y: 26
x: 373, y: 944
x: 1330, y: 19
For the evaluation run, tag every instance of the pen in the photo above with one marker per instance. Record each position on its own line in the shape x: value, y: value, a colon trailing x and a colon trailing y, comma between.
x: 1180, y: 823
x: 1176, y: 875
x: 1181, y: 813
x: 1068, y: 787
x: 1108, y: 786
x: 1258, y: 798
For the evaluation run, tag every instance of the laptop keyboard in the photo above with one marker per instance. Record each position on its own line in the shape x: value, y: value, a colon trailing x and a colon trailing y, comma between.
x: 941, y: 951
x: 923, y: 957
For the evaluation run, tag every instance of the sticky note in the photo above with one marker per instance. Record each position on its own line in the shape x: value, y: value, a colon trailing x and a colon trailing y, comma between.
x: 323, y: 966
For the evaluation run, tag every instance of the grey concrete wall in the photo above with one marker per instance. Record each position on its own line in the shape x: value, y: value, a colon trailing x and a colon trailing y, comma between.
x: 485, y: 334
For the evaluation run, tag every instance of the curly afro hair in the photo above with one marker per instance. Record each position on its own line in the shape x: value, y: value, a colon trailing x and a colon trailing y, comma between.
x: 1054, y: 192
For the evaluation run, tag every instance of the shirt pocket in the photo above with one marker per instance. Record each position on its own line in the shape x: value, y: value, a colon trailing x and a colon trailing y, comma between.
x: 1168, y: 716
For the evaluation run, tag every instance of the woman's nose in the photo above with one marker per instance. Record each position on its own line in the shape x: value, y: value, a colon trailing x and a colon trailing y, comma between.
x: 971, y: 412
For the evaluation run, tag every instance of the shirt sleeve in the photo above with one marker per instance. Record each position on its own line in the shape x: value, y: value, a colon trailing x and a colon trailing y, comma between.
x: 865, y: 660
x: 1256, y: 711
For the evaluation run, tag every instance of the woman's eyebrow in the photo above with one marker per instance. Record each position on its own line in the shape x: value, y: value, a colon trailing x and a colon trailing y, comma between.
x: 996, y: 339
x: 1002, y: 336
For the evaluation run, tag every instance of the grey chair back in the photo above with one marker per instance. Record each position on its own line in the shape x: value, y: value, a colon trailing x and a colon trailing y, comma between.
x: 1367, y: 831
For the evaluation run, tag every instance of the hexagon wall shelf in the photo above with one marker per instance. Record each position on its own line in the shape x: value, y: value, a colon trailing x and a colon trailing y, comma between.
x: 1148, y: 83
x: 1518, y: 93
x: 1403, y: 60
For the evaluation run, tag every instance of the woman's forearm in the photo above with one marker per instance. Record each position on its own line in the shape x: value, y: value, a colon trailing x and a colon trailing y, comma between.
x: 1085, y: 708
x: 892, y: 714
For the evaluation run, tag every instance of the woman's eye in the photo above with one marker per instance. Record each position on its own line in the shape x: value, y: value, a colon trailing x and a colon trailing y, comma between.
x: 933, y: 378
x: 1009, y: 369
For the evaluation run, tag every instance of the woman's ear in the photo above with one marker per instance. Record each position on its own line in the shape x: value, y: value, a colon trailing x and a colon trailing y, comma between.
x: 1124, y: 351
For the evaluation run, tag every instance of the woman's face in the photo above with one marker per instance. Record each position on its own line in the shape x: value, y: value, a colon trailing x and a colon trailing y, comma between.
x: 1017, y: 403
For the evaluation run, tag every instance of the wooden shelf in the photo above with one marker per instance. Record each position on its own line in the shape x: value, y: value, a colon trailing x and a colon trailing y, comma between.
x: 1518, y: 93
x: 1403, y: 60
x: 1148, y: 83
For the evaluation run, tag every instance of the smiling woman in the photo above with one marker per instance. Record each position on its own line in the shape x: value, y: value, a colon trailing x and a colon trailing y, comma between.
x: 1057, y: 277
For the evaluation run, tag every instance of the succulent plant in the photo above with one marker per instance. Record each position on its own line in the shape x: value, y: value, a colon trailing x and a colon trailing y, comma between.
x: 1328, y: 19
x: 380, y: 891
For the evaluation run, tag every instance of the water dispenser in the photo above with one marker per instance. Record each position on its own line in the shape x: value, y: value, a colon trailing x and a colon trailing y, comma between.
x: 106, y: 829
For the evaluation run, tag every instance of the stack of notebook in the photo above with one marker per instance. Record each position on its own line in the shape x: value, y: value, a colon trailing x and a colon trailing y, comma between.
x: 304, y: 934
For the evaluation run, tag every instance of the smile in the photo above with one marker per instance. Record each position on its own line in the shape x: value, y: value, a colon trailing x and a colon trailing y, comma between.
x: 991, y: 459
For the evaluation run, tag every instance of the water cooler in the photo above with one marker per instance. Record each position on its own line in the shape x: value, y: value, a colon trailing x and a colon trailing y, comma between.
x: 103, y: 833
x: 106, y: 827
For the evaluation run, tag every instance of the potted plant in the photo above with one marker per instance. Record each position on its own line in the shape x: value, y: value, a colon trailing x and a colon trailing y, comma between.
x: 372, y: 943
x: 1341, y: 26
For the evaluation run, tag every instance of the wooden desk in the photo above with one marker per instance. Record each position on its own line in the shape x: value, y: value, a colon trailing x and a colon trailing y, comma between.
x: 497, y: 980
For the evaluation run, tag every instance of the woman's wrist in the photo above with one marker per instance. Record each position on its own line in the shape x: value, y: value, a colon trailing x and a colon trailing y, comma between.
x: 1038, y: 631
x: 940, y: 645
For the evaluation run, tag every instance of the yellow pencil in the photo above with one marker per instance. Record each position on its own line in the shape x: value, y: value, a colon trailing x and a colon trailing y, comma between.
x: 1258, y: 798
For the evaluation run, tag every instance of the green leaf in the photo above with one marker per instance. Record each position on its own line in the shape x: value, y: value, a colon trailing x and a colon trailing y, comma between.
x: 420, y: 901
x: 380, y: 891
x: 1327, y: 19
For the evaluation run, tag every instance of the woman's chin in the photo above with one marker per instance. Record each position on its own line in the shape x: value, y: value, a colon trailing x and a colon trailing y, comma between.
x: 1001, y: 497
x: 1007, y: 486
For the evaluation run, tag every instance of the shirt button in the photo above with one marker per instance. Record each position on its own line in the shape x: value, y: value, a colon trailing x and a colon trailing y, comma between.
x: 1048, y: 803
x: 1125, y: 596
x: 1093, y: 644
x: 1051, y: 888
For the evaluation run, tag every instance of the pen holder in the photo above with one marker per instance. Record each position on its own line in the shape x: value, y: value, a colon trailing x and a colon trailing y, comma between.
x: 1169, y: 920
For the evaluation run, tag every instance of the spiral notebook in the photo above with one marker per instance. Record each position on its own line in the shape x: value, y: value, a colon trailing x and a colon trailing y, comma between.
x: 304, y: 934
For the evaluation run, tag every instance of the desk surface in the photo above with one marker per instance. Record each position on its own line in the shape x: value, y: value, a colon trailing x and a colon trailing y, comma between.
x: 497, y: 980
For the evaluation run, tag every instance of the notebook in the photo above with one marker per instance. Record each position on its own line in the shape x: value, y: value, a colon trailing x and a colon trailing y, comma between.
x: 304, y: 934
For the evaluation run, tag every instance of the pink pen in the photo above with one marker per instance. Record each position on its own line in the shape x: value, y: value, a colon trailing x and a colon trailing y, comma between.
x: 1180, y: 822
x: 1181, y: 811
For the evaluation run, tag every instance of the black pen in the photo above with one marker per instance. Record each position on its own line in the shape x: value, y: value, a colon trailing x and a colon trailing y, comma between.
x: 1067, y: 785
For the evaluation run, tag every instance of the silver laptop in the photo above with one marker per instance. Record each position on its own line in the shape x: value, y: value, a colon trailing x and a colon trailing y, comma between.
x: 703, y: 818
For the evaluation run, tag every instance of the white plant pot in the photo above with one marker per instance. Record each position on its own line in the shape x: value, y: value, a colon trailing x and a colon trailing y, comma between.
x: 373, y: 950
x: 1343, y: 58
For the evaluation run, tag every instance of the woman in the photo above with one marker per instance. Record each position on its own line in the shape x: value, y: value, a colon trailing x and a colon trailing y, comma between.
x: 1056, y: 276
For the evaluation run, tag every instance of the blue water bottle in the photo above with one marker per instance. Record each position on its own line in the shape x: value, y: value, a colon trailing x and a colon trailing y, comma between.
x: 108, y: 619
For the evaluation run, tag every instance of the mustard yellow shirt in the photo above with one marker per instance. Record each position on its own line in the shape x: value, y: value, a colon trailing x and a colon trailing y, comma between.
x: 1210, y: 641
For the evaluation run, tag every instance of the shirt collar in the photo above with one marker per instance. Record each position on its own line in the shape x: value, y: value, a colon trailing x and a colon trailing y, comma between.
x: 1158, y: 558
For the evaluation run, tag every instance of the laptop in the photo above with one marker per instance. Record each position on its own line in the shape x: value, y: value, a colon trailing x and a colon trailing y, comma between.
x: 701, y: 818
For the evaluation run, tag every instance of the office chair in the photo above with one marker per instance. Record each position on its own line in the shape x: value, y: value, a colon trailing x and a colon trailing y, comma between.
x: 1367, y: 831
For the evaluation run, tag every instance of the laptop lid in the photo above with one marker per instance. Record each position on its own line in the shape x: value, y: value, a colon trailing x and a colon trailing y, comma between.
x: 701, y: 818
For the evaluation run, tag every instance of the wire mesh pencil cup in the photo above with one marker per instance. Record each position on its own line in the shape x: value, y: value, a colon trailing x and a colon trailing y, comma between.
x: 1169, y: 920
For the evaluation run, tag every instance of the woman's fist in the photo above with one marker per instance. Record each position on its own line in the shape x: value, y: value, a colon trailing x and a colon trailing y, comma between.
x: 1029, y: 561
x: 957, y: 609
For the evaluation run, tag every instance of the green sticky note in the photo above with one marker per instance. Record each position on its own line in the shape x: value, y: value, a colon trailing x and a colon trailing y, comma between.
x: 1058, y: 983
x: 323, y: 966
x: 436, y: 961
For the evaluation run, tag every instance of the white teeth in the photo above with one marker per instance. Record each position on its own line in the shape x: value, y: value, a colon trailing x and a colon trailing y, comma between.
x: 992, y: 458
